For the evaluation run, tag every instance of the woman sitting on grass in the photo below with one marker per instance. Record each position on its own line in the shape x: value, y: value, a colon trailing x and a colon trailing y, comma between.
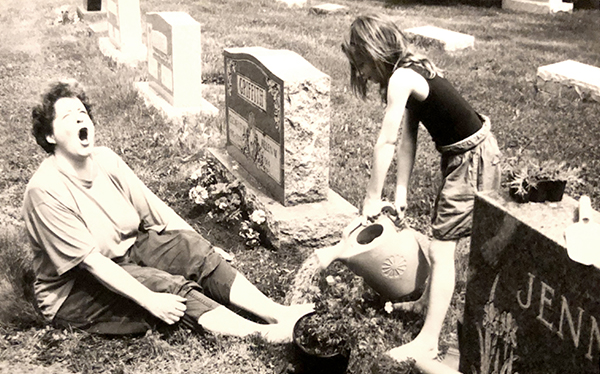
x: 110, y: 257
x: 415, y: 92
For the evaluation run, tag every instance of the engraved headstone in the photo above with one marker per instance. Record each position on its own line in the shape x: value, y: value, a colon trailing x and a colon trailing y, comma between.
x: 278, y: 110
x: 529, y: 308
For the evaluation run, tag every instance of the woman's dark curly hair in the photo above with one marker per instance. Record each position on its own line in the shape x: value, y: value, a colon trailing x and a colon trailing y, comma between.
x: 43, y: 114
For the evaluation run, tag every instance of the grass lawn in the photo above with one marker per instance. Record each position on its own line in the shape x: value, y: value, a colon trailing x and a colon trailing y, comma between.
x: 497, y: 77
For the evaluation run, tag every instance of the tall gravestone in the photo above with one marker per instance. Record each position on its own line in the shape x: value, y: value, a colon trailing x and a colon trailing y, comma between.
x: 529, y: 308
x: 277, y: 108
x: 174, y: 65
x: 124, y: 41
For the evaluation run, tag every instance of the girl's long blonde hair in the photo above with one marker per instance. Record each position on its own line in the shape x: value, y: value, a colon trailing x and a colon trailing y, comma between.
x: 377, y: 40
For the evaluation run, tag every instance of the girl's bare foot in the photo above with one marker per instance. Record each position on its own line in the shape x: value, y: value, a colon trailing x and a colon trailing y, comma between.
x: 417, y: 350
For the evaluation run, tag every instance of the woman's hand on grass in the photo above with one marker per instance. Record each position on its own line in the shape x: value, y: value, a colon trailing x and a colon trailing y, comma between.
x: 167, y: 307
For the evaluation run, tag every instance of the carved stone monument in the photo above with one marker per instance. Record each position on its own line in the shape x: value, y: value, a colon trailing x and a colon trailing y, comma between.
x: 278, y: 113
x: 278, y: 109
x: 529, y: 307
x: 124, y: 41
x: 174, y: 65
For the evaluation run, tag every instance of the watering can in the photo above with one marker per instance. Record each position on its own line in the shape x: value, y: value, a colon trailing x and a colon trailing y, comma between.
x: 389, y: 258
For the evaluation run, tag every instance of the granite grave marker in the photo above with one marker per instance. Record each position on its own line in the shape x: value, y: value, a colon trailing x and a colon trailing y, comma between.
x: 529, y: 308
x: 277, y: 110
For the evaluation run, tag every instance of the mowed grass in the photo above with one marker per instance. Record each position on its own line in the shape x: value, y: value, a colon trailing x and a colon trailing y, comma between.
x: 497, y: 76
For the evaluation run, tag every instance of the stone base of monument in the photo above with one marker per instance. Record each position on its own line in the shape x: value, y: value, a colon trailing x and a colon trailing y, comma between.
x: 540, y: 7
x: 303, y: 227
x: 91, y: 16
x: 154, y: 99
x: 570, y: 78
x: 328, y: 9
x: 440, y: 38
x: 132, y: 55
x: 99, y: 27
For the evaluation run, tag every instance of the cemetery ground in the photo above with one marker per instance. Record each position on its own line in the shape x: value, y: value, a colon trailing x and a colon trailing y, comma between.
x: 497, y: 77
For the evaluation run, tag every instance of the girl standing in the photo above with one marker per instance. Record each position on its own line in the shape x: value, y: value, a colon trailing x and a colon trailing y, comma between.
x: 415, y: 92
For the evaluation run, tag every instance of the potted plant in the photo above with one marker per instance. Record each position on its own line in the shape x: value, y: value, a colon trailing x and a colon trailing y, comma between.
x: 537, y: 181
x: 323, y: 338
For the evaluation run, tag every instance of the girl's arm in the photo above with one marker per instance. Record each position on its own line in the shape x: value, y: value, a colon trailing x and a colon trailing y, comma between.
x: 402, y: 84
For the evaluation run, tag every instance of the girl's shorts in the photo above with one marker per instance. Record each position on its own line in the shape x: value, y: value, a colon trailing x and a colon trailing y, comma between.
x: 469, y: 166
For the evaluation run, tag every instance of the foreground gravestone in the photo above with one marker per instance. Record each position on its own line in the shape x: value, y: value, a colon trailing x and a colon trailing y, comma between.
x: 570, y: 77
x: 278, y: 113
x: 174, y: 65
x: 529, y: 308
x: 537, y: 6
x: 440, y: 38
x: 278, y: 109
x: 124, y: 41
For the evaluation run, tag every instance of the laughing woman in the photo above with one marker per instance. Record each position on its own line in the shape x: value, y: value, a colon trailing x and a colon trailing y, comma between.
x: 110, y: 257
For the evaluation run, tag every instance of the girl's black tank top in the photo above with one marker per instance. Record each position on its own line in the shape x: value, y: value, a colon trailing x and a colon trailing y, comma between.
x: 448, y: 117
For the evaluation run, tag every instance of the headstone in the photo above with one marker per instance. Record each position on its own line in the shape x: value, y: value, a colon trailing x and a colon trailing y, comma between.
x: 537, y: 6
x: 174, y: 64
x: 562, y: 77
x: 440, y: 38
x: 278, y: 110
x: 328, y: 9
x: 529, y: 308
x: 124, y: 41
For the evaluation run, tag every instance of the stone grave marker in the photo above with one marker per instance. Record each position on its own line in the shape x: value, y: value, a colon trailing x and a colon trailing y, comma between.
x: 529, y: 308
x: 440, y: 38
x: 278, y: 109
x: 91, y: 10
x: 278, y: 113
x: 570, y: 76
x: 537, y: 6
x: 124, y: 41
x: 328, y: 8
x: 174, y: 64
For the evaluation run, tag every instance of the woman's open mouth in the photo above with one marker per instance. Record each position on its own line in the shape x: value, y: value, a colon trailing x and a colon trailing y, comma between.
x: 83, y: 136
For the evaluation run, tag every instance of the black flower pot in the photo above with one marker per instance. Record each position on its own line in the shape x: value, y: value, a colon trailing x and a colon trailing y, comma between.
x: 310, y: 361
x: 546, y: 190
